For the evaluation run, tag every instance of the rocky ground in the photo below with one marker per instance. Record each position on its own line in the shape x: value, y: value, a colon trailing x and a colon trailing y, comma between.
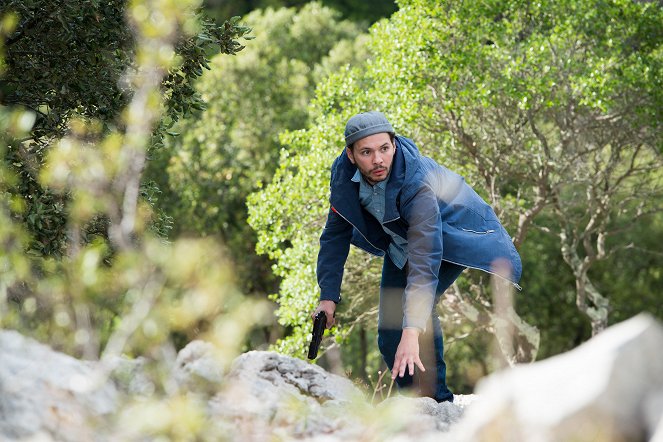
x: 609, y: 389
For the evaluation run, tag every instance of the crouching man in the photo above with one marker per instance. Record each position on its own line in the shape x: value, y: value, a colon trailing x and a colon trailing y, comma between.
x: 429, y: 225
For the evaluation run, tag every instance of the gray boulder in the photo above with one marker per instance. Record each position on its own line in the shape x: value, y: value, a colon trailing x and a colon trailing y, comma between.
x: 46, y: 395
x: 49, y: 396
x: 424, y: 415
x: 197, y: 368
x: 609, y: 389
x: 654, y: 416
x: 266, y: 392
x: 262, y: 371
x: 130, y: 376
x: 597, y: 391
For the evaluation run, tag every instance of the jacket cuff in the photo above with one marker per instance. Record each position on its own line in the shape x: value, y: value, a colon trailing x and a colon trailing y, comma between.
x: 329, y: 297
x: 418, y: 323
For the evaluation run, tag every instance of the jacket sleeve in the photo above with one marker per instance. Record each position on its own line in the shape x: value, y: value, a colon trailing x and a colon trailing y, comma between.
x: 424, y: 236
x: 334, y: 249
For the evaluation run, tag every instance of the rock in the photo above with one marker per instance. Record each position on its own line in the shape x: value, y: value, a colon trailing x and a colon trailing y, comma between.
x: 654, y: 416
x: 609, y: 389
x: 424, y: 414
x: 49, y: 396
x: 657, y: 436
x: 196, y: 367
x: 274, y: 391
x: 408, y: 416
x: 594, y: 392
x: 130, y: 376
x: 291, y: 375
x: 46, y: 395
x: 464, y: 400
x: 270, y: 395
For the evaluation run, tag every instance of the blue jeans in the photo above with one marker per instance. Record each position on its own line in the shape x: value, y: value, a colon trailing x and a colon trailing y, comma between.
x: 432, y: 382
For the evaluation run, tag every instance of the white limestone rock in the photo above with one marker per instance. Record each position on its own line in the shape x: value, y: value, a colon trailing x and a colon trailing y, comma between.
x: 424, y: 415
x: 46, y: 395
x: 196, y: 367
x: 610, y: 389
x: 594, y: 392
x: 654, y: 416
x: 130, y: 376
x: 266, y: 391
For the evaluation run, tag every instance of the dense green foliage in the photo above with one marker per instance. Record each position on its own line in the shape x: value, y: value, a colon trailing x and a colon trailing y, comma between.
x: 357, y: 10
x: 99, y: 305
x: 72, y: 159
x: 67, y: 59
x: 232, y: 148
x: 550, y: 110
x: 556, y: 108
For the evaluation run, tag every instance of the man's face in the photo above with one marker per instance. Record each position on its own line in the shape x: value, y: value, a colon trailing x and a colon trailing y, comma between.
x: 373, y: 156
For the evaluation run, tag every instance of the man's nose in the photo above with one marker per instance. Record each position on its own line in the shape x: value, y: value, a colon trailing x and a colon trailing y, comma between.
x: 378, y: 159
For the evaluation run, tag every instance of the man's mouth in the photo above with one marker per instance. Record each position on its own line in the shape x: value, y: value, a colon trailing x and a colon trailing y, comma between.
x: 379, y: 171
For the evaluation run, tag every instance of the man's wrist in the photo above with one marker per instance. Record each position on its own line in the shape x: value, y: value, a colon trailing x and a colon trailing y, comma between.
x: 412, y: 331
x: 334, y: 299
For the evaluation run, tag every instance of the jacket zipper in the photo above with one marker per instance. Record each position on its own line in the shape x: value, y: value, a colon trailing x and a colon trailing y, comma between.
x: 353, y: 226
x: 390, y: 221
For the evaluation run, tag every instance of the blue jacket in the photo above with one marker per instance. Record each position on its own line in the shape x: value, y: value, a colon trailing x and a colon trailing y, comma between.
x: 441, y: 217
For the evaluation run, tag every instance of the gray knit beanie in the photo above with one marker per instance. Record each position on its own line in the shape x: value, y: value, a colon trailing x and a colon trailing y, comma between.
x: 365, y: 124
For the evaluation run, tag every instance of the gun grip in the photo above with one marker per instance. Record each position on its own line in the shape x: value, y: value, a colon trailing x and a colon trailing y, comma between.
x: 319, y: 324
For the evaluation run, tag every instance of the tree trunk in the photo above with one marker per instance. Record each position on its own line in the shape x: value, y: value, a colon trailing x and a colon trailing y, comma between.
x: 588, y: 299
x: 598, y: 306
x: 518, y: 341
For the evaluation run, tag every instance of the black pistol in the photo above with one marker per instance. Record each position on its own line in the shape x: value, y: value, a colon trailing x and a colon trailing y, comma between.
x: 319, y: 324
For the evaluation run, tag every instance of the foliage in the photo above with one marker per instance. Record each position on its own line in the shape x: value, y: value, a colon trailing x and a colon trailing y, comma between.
x: 136, y: 285
x: 67, y: 59
x: 357, y: 10
x: 154, y: 288
x: 548, y: 109
x: 232, y: 148
x: 534, y: 103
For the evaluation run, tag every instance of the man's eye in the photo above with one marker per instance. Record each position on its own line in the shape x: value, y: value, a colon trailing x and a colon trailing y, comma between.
x: 365, y: 152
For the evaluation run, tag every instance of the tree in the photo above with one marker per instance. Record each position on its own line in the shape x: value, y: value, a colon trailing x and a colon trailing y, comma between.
x: 550, y: 99
x: 232, y: 148
x: 514, y: 96
x: 91, y: 164
x: 159, y: 288
x: 356, y: 10
x: 67, y: 59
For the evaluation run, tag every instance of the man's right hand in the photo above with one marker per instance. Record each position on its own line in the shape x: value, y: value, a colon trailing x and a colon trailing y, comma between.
x: 329, y: 307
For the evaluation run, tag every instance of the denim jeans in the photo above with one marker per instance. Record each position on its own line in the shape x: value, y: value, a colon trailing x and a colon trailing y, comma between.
x: 432, y: 382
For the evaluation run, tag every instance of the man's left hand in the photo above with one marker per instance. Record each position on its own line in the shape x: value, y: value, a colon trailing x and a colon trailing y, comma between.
x: 407, y: 354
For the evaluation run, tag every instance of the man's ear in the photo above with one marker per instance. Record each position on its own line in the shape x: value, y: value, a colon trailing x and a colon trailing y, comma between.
x: 351, y: 156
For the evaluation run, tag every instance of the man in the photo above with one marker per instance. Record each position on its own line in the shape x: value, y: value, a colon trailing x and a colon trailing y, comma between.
x: 429, y: 225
